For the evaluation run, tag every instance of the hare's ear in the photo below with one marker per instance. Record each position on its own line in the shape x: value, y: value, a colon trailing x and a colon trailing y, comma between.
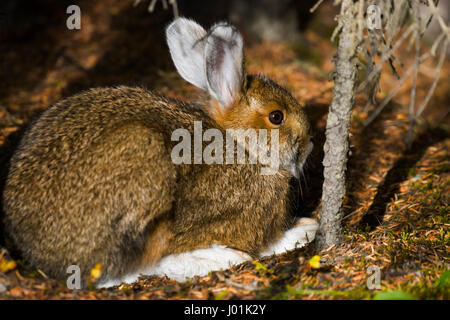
x: 224, y: 59
x: 185, y: 39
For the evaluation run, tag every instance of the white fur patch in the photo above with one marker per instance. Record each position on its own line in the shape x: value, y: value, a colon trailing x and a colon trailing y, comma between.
x: 296, y: 237
x: 187, y: 264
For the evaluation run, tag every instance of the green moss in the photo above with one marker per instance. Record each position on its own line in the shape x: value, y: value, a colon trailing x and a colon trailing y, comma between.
x: 445, y: 168
x: 412, y: 172
x: 296, y: 293
x: 393, y: 295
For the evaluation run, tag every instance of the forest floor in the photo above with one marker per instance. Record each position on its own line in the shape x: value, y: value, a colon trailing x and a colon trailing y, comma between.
x: 397, y: 204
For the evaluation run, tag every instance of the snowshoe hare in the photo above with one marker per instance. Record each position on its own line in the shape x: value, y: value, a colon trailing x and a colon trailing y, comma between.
x: 93, y: 179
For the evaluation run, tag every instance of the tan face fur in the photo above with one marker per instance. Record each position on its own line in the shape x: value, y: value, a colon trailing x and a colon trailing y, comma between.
x: 260, y: 96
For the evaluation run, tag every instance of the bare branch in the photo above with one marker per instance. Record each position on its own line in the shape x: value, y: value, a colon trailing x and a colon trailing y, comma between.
x: 314, y: 8
x: 435, y: 81
x: 394, y: 91
x: 387, y: 54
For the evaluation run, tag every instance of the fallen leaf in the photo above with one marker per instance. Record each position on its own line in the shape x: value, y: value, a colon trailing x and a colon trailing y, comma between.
x: 314, y: 262
x: 7, y: 265
x: 97, y: 271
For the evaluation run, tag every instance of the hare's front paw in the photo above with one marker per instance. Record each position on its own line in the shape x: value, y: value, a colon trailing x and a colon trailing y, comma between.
x: 303, y: 232
x: 197, y: 262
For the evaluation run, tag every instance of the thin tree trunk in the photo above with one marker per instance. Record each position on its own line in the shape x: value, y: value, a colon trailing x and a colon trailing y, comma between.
x: 338, y: 124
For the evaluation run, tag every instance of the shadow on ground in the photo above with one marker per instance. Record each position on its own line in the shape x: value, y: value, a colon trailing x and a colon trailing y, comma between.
x: 399, y: 173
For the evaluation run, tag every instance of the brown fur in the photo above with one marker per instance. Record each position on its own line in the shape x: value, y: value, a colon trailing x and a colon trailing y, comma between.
x: 93, y: 182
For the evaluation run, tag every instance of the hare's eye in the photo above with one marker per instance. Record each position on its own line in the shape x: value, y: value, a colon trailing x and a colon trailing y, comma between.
x: 276, y: 117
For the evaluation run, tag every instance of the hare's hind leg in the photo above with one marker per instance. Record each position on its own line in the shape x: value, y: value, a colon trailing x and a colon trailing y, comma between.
x: 302, y: 233
x: 188, y: 264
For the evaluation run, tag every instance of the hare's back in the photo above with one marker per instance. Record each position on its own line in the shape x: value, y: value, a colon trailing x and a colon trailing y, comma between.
x: 89, y: 175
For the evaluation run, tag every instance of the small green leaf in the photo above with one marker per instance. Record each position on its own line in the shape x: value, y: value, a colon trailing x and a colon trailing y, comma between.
x: 393, y: 295
x: 314, y: 262
x: 261, y: 268
x: 443, y: 279
x: 221, y: 295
